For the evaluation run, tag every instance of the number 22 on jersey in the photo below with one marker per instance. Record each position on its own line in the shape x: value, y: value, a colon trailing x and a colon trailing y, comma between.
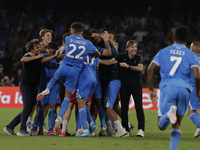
x: 74, y: 48
x: 176, y: 64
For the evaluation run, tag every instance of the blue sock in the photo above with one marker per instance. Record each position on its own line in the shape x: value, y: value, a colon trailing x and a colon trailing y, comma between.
x: 52, y: 117
x: 78, y: 124
x: 89, y: 117
x: 175, y: 137
x: 64, y: 106
x: 102, y: 116
x: 195, y: 119
x: 83, y: 118
x: 164, y: 122
x: 51, y: 83
x: 197, y: 113
x: 40, y: 118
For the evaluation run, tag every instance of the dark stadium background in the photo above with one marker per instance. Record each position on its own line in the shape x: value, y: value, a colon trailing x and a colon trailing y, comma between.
x: 16, y: 17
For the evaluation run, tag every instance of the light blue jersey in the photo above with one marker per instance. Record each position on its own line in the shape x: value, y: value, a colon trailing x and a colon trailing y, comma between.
x: 87, y: 81
x: 76, y: 50
x: 194, y: 104
x: 50, y: 67
x: 175, y: 63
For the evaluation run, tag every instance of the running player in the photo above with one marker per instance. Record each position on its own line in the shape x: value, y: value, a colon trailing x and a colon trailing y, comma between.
x: 175, y: 62
x: 194, y: 103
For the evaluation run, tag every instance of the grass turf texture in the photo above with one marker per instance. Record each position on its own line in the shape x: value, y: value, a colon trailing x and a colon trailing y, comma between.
x: 154, y: 138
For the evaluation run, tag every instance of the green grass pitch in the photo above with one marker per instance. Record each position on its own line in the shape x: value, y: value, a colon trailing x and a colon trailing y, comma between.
x: 154, y: 138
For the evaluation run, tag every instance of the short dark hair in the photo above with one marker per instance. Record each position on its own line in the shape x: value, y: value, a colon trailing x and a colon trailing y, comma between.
x: 65, y: 35
x: 30, y: 45
x: 182, y: 33
x: 77, y: 26
x: 115, y: 35
x: 52, y: 45
x: 87, y: 34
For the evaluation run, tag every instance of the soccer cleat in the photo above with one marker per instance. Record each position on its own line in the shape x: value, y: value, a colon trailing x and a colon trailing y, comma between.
x: 121, y: 133
x: 58, y: 123
x: 23, y: 133
x: 110, y: 132
x: 102, y: 132
x: 92, y: 128
x: 84, y: 134
x: 50, y: 132
x: 140, y: 133
x: 62, y: 133
x: 42, y: 94
x: 197, y: 133
x: 39, y: 133
x: 130, y: 128
x: 172, y: 114
x: 9, y: 131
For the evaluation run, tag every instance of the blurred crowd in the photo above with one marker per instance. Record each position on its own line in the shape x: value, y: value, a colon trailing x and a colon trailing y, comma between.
x: 152, y: 31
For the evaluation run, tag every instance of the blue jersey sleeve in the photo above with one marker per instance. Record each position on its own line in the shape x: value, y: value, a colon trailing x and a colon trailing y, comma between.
x: 194, y: 62
x: 156, y: 59
x: 91, y: 47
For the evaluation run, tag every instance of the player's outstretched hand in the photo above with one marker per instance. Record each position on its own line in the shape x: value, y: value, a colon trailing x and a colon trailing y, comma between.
x: 153, y: 97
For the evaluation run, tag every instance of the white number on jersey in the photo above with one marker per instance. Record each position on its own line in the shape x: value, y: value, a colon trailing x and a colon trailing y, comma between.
x: 74, y: 48
x: 177, y: 63
x: 88, y: 61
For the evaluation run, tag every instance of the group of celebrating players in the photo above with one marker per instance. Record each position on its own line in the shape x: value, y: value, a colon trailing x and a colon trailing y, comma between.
x: 89, y: 87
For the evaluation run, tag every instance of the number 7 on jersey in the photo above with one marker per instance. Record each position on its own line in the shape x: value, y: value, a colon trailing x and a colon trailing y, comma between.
x: 177, y: 63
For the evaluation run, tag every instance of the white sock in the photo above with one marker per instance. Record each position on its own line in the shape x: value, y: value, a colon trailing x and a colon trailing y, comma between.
x: 86, y: 130
x: 44, y: 120
x: 29, y: 119
x: 117, y: 125
x: 64, y: 125
x: 129, y: 125
x: 109, y: 125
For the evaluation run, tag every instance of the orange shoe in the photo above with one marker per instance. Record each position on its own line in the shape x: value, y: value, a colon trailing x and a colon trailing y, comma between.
x: 39, y: 133
x: 50, y: 132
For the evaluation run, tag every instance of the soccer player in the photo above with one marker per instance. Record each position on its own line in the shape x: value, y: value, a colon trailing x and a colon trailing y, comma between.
x: 194, y: 103
x: 86, y: 85
x: 77, y: 48
x: 176, y: 63
x: 52, y: 99
x: 32, y: 62
x: 45, y: 37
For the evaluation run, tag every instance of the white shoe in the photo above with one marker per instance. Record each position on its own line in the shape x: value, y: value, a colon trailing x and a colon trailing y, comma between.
x: 110, y: 132
x: 172, y: 114
x: 197, y: 133
x: 42, y: 94
x: 121, y: 133
x: 102, y: 132
x: 140, y: 133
